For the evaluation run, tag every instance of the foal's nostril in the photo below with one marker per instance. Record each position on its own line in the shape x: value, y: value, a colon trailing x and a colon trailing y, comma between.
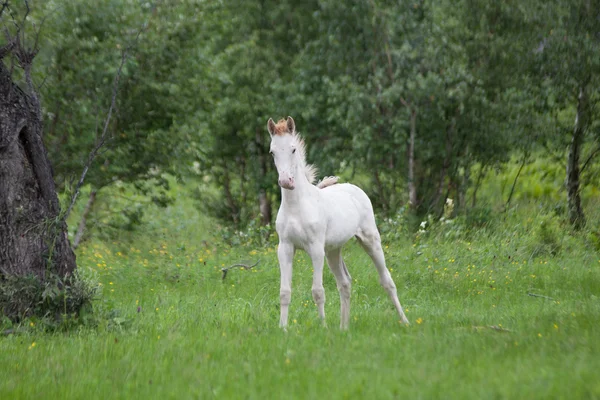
x: 287, y: 183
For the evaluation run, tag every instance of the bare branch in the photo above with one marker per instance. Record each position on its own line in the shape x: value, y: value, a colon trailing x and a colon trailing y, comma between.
x: 512, y: 189
x: 539, y: 295
x: 590, y: 158
x: 4, y: 7
x: 5, y: 50
x: 493, y: 327
x: 242, y: 266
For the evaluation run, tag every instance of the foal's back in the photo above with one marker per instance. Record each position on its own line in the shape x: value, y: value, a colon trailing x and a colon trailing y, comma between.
x: 347, y: 211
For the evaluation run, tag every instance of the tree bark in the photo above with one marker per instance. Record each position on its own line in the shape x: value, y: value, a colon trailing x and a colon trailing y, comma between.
x: 265, y: 207
x: 33, y: 236
x: 576, y: 216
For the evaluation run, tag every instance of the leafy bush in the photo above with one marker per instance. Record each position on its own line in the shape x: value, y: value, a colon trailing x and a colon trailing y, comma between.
x: 547, y: 236
x: 593, y: 237
x: 479, y: 217
x: 53, y: 299
x: 398, y: 226
x: 254, y: 235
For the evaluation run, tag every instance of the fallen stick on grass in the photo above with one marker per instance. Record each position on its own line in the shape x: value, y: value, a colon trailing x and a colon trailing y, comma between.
x: 242, y: 266
x: 539, y: 295
x: 494, y: 327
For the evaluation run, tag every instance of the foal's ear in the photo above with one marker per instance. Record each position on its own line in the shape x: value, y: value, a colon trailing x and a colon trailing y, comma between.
x: 291, y: 125
x: 271, y: 126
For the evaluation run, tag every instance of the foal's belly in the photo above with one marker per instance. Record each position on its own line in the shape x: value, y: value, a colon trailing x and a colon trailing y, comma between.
x: 343, y: 219
x: 340, y: 231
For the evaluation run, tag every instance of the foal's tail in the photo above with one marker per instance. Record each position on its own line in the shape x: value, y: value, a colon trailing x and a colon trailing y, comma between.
x: 327, y: 181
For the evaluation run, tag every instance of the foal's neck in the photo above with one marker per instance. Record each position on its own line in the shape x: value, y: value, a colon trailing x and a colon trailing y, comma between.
x: 292, y: 198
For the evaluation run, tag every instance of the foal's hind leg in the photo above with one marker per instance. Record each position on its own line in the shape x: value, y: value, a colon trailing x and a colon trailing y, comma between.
x: 344, y: 284
x: 371, y: 242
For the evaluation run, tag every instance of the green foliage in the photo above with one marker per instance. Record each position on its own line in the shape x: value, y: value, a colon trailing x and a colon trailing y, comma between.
x: 253, y: 235
x: 487, y: 84
x: 594, y: 239
x: 479, y: 217
x: 547, y: 234
x: 57, y: 301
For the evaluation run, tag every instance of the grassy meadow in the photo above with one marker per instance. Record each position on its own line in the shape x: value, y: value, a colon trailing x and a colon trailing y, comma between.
x: 510, y: 310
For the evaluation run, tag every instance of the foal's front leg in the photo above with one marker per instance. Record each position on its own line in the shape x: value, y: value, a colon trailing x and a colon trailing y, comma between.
x: 285, y: 254
x: 317, y: 256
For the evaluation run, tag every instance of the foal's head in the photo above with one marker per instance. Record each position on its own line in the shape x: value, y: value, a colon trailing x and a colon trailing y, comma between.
x: 287, y: 149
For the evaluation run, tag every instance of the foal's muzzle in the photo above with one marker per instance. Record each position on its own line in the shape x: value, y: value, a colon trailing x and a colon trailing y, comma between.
x: 287, y: 183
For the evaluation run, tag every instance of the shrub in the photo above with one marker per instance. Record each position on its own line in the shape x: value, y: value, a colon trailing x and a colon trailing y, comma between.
x: 547, y: 236
x: 53, y: 298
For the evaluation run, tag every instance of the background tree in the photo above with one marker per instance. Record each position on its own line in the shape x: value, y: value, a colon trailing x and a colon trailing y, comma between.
x: 33, y: 234
x: 161, y: 88
x: 566, y: 65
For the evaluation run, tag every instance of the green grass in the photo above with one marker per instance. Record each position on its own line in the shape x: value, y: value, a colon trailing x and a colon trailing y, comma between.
x: 196, y: 336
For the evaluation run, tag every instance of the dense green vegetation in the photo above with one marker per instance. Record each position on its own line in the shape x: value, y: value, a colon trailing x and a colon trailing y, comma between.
x: 473, y: 126
x: 417, y: 101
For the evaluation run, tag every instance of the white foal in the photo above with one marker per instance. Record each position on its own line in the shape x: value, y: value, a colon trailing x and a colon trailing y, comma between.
x: 319, y: 220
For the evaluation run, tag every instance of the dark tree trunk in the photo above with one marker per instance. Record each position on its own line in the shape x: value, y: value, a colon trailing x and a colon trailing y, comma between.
x: 576, y: 216
x: 33, y: 236
x: 264, y: 203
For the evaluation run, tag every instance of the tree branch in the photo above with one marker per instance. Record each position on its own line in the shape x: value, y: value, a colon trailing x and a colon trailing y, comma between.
x: 241, y: 265
x: 512, y: 189
x: 539, y: 295
x: 590, y: 158
x: 4, y: 7
x: 493, y: 327
x: 6, y: 49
